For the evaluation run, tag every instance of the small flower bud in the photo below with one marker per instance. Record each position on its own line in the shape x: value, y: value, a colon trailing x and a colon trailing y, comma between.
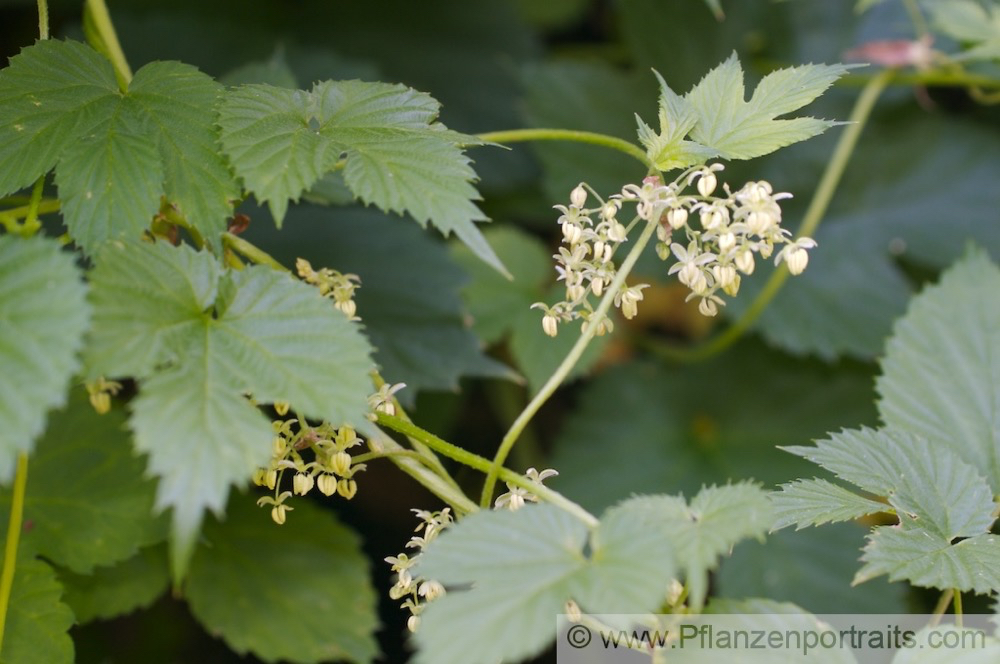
x: 412, y: 623
x: 572, y: 232
x: 726, y: 242
x: 744, y: 261
x: 430, y: 590
x: 302, y: 483
x: 759, y: 222
x: 279, y: 446
x: 663, y: 250
x: 258, y: 477
x: 348, y: 307
x: 724, y: 275
x: 340, y: 463
x: 733, y: 287
x: 599, y: 249
x: 608, y: 250
x: 578, y: 197
x: 616, y: 233
x: 550, y: 325
x: 278, y: 513
x: 573, y: 613
x: 271, y: 478
x: 797, y: 260
x: 101, y: 402
x: 707, y: 307
x: 597, y: 285
x: 707, y: 183
x: 677, y: 218
x: 327, y: 484
x: 281, y: 408
x: 605, y: 327
x: 347, y: 488
x: 575, y: 292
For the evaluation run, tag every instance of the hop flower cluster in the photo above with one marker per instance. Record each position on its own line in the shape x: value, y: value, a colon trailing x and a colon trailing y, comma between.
x: 418, y: 591
x: 332, y: 284
x: 715, y: 241
x: 730, y: 233
x: 517, y: 496
x: 585, y: 263
x: 331, y: 468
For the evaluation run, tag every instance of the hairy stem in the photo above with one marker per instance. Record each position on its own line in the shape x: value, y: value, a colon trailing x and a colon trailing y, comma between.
x: 556, y: 379
x: 483, y: 464
x: 102, y: 36
x: 941, y: 607
x: 43, y: 19
x: 13, y: 536
x: 810, y: 222
x: 251, y: 252
x: 612, y: 142
x: 424, y: 476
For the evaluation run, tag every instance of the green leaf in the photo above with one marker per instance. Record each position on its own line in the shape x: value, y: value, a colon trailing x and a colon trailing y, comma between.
x: 524, y: 565
x: 206, y: 338
x: 51, y: 93
x: 502, y: 308
x: 928, y: 560
x: 43, y: 317
x: 812, y: 568
x: 716, y: 519
x: 110, y: 180
x: 938, y: 381
x: 87, y: 500
x: 179, y: 105
x: 266, y: 132
x: 397, y: 156
x: 815, y: 502
x: 156, y: 138
x: 970, y: 22
x: 409, y: 298
x: 36, y: 631
x: 740, y: 129
x: 668, y: 149
x: 114, y: 591
x: 929, y: 486
x: 326, y: 607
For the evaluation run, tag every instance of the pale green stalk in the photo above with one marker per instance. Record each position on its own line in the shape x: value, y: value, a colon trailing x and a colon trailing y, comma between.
x: 612, y: 142
x: 13, y: 536
x: 556, y: 379
x: 96, y: 12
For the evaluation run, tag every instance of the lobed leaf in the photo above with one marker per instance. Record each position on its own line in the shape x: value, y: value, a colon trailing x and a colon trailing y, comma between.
x: 326, y: 607
x: 117, y: 152
x: 43, y: 317
x: 815, y: 502
x: 88, y: 501
x: 930, y: 487
x: 939, y: 379
x: 109, y: 592
x: 199, y: 339
x: 702, y: 531
x: 928, y: 560
x: 524, y: 566
x: 395, y: 153
x: 970, y: 22
x: 38, y: 622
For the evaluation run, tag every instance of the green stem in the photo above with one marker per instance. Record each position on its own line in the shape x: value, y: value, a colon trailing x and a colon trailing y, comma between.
x: 96, y: 11
x: 810, y: 222
x: 371, y: 456
x: 43, y: 206
x: 251, y: 252
x: 31, y: 223
x: 428, y: 455
x: 612, y: 142
x: 958, y: 607
x: 43, y: 19
x: 556, y: 379
x: 484, y: 465
x: 174, y: 217
x: 422, y: 474
x: 941, y: 607
x: 13, y: 535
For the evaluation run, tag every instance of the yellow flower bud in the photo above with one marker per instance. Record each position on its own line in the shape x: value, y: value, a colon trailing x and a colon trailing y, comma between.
x: 347, y: 488
x: 327, y: 484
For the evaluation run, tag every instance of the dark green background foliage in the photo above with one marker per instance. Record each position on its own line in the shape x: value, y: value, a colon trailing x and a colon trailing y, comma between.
x: 920, y: 187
